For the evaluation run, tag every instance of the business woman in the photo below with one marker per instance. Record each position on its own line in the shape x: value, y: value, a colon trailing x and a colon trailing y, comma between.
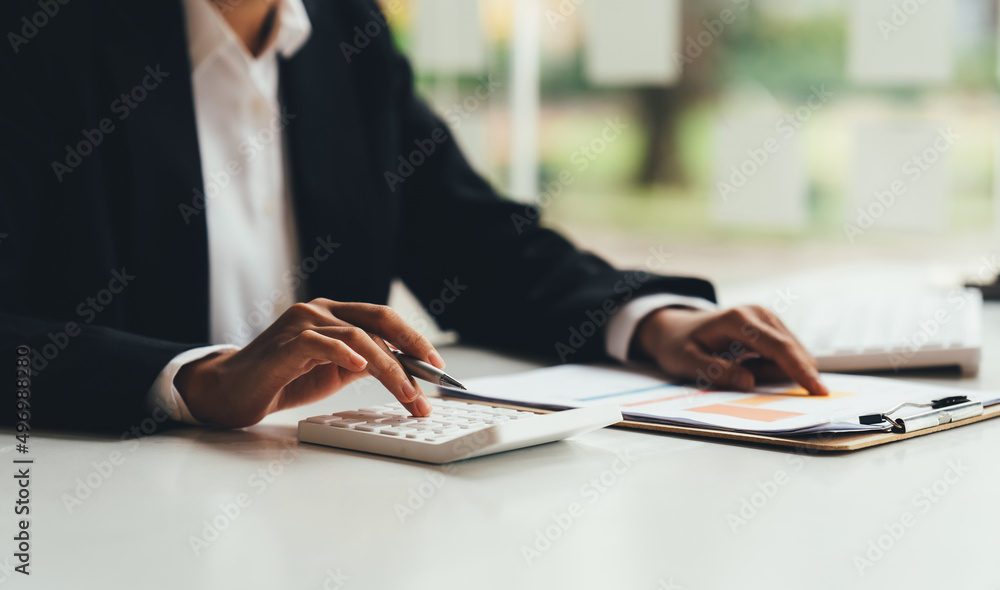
x: 203, y: 204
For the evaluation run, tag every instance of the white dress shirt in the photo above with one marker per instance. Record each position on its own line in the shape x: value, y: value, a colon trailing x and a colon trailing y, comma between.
x: 248, y: 201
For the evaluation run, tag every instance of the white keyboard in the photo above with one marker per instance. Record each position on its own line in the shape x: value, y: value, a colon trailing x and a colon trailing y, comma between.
x: 892, y: 331
x: 454, y: 431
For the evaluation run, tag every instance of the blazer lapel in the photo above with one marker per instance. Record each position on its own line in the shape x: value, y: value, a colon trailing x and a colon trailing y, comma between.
x: 333, y: 171
x: 169, y: 251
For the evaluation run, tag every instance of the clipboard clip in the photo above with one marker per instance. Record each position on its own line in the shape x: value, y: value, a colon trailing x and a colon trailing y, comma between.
x: 942, y: 411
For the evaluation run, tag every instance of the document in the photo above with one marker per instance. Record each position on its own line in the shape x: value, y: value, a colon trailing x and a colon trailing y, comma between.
x: 633, y: 42
x: 770, y: 409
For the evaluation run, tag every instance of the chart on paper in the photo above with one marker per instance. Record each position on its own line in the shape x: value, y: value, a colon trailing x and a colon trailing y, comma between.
x: 780, y: 408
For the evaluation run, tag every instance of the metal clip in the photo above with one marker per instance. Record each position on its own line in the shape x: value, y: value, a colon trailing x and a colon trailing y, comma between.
x: 943, y: 411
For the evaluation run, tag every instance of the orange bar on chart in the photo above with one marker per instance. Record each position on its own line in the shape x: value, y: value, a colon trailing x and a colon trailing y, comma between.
x: 757, y: 400
x: 755, y: 414
x: 801, y: 392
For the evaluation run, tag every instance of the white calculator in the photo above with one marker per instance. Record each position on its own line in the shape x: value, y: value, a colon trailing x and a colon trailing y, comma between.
x: 454, y: 431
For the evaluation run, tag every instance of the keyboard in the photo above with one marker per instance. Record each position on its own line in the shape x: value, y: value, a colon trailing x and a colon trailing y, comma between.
x: 890, y: 331
x: 454, y: 431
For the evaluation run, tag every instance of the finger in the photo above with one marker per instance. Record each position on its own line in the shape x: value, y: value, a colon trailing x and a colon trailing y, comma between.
x: 419, y: 406
x: 311, y: 347
x: 765, y: 370
x: 388, y: 324
x: 774, y: 344
x: 381, y: 363
x: 773, y: 319
x: 714, y: 372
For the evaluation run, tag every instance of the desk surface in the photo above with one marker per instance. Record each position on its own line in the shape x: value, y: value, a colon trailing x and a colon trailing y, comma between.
x: 610, y: 509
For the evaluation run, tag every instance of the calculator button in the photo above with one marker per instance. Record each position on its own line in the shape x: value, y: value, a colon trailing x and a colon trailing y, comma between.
x: 447, y: 430
x: 323, y: 419
x: 347, y: 423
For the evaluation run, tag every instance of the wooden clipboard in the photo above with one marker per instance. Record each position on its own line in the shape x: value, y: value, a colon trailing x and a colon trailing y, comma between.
x: 825, y: 443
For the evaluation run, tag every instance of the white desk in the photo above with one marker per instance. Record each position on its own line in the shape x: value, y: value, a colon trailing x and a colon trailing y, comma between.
x: 662, y: 523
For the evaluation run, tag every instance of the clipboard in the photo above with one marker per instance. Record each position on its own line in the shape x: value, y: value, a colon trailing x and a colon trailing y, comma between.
x: 822, y: 443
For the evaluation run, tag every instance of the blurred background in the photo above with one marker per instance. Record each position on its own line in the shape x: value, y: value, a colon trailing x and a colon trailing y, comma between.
x: 734, y: 137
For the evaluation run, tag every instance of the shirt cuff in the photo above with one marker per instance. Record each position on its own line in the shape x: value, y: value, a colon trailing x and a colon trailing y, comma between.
x: 622, y: 325
x: 164, y: 393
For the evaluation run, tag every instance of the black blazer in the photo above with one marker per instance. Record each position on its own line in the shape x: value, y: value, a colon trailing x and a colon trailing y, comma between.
x: 104, y: 267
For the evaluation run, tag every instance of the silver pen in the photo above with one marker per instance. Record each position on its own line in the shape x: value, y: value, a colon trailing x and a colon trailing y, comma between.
x: 426, y: 371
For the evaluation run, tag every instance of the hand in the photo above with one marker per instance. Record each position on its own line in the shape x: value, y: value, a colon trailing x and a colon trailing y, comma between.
x: 707, y: 347
x: 308, y: 353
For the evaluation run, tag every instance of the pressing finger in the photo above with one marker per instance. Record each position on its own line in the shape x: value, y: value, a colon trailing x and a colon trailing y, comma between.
x: 382, y: 364
x: 776, y: 345
x: 388, y: 324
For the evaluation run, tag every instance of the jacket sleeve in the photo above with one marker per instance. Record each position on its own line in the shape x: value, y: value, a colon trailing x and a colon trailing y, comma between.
x: 84, y: 376
x: 484, y: 266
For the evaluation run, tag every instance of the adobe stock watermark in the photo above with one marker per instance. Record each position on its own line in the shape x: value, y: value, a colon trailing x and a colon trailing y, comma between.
x: 425, y: 147
x: 786, y: 127
x: 923, y: 501
x: 103, y: 469
x: 420, y: 321
x: 590, y: 492
x: 913, y: 169
x: 87, y: 310
x: 229, y: 512
x: 123, y: 106
x: 899, y: 17
x: 753, y: 503
x: 7, y: 569
x: 563, y: 11
x: 695, y: 45
x: 32, y: 24
x: 706, y: 378
x: 334, y: 580
x: 451, y: 290
x: 581, y: 158
x: 264, y: 309
x: 216, y: 182
x: 929, y: 327
x: 418, y: 495
x: 366, y: 33
x: 597, y: 318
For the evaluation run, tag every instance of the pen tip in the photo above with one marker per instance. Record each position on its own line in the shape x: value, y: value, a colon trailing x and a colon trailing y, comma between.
x: 452, y: 382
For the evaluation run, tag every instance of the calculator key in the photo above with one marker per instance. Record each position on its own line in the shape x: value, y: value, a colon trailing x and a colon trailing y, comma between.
x: 447, y: 430
x: 348, y: 422
x: 351, y: 415
x: 323, y: 419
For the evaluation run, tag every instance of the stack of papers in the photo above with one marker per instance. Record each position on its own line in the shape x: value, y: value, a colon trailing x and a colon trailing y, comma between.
x: 774, y: 409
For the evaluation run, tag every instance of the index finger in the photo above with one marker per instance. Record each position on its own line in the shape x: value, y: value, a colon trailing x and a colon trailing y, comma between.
x: 388, y: 324
x: 778, y: 345
x: 418, y: 406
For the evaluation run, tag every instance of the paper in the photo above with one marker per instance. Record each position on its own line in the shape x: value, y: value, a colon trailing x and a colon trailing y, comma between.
x: 900, y: 177
x: 633, y: 42
x: 760, y: 173
x: 449, y: 37
x: 773, y: 409
x: 901, y: 42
